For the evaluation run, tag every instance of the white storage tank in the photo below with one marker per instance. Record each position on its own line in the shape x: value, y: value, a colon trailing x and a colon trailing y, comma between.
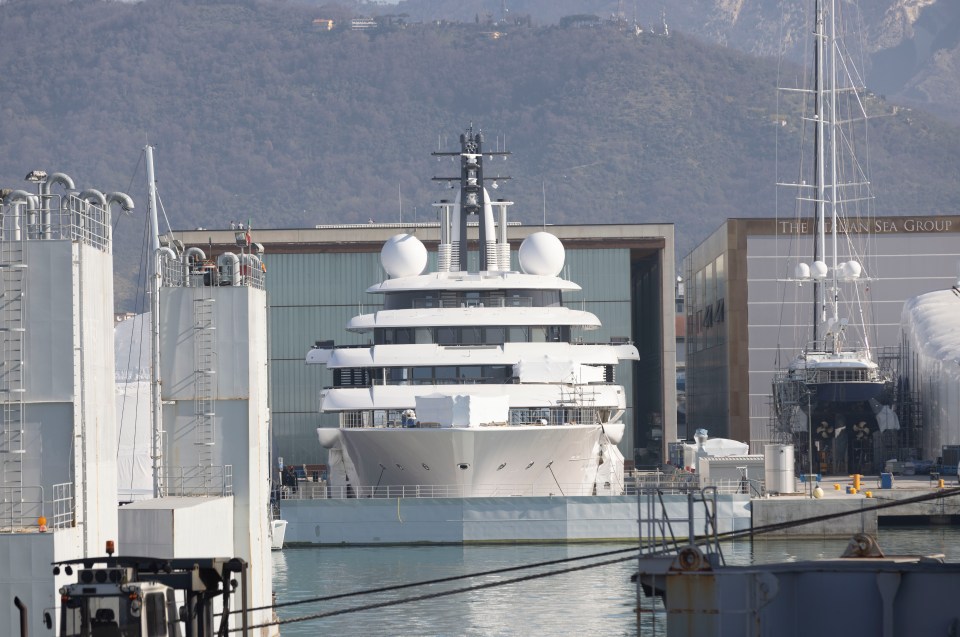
x: 778, y: 469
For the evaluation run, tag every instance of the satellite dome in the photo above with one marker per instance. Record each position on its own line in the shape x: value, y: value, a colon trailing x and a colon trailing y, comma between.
x: 852, y: 270
x: 542, y: 254
x: 819, y: 270
x: 403, y: 255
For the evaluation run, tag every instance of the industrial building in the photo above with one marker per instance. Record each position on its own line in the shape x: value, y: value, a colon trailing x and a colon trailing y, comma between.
x: 318, y: 277
x: 746, y: 317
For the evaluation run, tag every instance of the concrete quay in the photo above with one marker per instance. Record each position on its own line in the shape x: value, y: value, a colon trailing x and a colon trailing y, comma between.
x: 862, y: 516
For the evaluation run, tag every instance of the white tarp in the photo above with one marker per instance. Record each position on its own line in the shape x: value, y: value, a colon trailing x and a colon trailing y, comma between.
x: 713, y: 447
x: 546, y: 369
x: 462, y: 410
x: 134, y: 435
x: 929, y: 323
x: 724, y: 447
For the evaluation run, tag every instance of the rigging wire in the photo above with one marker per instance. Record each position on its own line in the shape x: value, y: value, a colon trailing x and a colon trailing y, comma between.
x: 141, y: 289
x: 437, y: 594
x: 139, y: 296
x: 441, y: 580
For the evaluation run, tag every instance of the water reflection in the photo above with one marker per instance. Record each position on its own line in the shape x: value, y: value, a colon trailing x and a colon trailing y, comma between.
x: 596, y: 600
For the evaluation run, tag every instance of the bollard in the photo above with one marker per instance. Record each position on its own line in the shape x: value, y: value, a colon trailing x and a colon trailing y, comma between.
x: 940, y: 483
x: 856, y: 481
x: 868, y: 494
x: 836, y: 486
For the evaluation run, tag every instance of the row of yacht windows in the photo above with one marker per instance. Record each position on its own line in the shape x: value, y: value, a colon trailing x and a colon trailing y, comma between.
x: 517, y: 416
x: 473, y: 335
x: 476, y: 298
x: 434, y: 375
x: 439, y: 375
x: 844, y: 376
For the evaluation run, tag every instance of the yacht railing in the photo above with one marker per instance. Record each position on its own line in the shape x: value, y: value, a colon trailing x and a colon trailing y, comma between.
x: 419, y: 304
x: 531, y: 417
x: 635, y: 482
x: 842, y: 375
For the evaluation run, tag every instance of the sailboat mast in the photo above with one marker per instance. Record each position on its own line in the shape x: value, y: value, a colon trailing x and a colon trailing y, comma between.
x: 820, y: 241
x: 832, y: 128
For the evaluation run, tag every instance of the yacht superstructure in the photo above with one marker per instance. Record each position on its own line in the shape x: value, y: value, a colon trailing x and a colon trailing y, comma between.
x: 475, y: 382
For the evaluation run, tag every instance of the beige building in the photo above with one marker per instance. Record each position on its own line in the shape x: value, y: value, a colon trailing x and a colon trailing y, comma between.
x: 746, y: 318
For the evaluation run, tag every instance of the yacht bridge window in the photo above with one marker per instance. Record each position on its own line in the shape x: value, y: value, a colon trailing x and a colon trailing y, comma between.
x: 429, y: 375
x: 472, y: 335
x: 471, y: 298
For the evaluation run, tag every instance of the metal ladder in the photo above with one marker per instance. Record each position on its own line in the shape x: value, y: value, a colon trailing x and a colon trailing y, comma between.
x: 13, y: 272
x: 205, y: 358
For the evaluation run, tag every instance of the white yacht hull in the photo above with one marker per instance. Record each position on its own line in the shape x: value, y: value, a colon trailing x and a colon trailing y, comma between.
x: 481, y: 461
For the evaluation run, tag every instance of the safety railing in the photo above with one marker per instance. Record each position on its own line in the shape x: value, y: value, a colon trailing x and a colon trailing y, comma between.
x: 201, y: 481
x: 20, y: 508
x: 64, y: 506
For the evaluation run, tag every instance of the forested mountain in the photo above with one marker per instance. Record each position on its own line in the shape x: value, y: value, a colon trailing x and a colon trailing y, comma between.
x: 911, y: 47
x: 259, y: 114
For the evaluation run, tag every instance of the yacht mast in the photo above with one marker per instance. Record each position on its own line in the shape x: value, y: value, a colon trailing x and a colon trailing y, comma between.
x: 832, y: 128
x: 820, y: 238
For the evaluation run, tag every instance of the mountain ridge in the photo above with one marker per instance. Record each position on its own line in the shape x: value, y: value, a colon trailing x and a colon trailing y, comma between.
x: 258, y: 115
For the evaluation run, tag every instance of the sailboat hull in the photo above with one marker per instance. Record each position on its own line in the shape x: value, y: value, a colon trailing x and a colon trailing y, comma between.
x: 828, y: 393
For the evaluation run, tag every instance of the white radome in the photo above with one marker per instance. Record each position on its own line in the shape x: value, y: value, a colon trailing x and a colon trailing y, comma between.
x: 852, y: 270
x: 542, y: 254
x: 403, y: 255
x: 819, y: 270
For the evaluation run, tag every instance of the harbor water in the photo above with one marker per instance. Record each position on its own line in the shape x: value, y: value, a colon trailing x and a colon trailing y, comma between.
x: 590, y: 601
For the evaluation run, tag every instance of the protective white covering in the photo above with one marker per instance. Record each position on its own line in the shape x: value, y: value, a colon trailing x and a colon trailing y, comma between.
x: 930, y: 325
x: 713, y: 447
x: 723, y: 447
x: 462, y: 410
x: 609, y: 480
x: 546, y: 369
x: 886, y: 418
x: 134, y: 437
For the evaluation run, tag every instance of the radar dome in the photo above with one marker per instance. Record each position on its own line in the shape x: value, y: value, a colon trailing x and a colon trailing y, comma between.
x: 852, y: 270
x: 542, y: 254
x: 819, y: 270
x: 403, y: 255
